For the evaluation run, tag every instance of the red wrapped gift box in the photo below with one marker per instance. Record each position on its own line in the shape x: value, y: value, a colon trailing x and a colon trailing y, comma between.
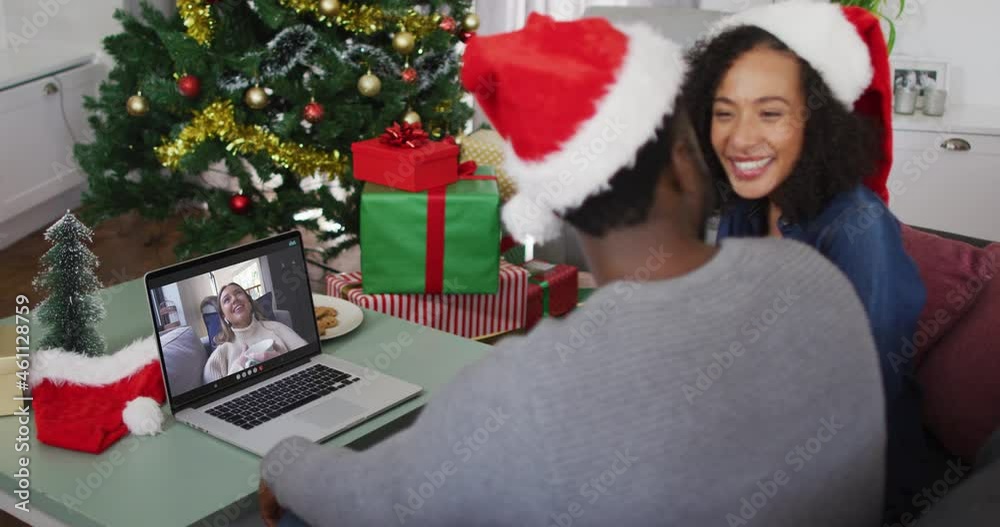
x: 434, y: 164
x: 553, y: 290
x: 470, y: 316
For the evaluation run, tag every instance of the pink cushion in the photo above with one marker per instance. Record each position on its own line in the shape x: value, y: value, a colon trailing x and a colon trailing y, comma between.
x: 953, y: 273
x: 961, y: 375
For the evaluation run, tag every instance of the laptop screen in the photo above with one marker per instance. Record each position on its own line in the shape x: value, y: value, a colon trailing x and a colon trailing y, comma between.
x: 228, y: 317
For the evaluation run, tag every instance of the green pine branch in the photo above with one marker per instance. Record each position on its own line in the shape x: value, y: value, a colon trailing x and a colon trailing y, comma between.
x: 269, y: 46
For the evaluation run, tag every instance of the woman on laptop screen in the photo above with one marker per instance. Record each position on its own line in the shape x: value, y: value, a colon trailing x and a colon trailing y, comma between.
x: 247, y: 337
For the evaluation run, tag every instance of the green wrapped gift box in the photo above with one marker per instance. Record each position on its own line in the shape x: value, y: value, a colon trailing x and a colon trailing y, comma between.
x: 441, y: 240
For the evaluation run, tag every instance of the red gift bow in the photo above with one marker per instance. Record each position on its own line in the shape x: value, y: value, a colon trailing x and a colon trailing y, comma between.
x: 405, y: 135
x: 436, y: 197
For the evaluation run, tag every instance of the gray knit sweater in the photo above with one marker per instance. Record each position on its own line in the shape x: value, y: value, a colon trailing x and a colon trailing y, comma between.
x: 746, y: 392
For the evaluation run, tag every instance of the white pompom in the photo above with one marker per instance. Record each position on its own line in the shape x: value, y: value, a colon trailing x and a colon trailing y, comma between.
x: 524, y: 218
x: 142, y: 416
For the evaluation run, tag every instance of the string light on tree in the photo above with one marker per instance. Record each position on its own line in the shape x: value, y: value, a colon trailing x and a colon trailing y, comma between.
x: 369, y: 85
x: 137, y: 105
x: 256, y: 98
x: 404, y: 42
x: 189, y: 86
x: 239, y: 204
x: 470, y: 23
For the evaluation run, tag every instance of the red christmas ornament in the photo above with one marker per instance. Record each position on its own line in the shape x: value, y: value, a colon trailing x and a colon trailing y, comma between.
x: 447, y: 24
x: 313, y: 112
x: 466, y: 35
x: 409, y: 75
x: 239, y: 204
x: 189, y: 86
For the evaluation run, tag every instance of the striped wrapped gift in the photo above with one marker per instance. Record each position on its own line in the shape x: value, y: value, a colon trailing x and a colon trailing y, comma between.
x: 471, y: 316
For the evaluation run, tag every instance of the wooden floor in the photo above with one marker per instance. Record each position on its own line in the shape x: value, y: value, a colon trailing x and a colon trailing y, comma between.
x: 127, y: 247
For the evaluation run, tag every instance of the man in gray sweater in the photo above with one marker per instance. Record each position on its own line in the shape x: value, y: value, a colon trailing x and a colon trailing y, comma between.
x: 700, y: 386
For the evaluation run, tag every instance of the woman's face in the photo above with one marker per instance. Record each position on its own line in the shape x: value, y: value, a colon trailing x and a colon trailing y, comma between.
x: 758, y: 121
x: 235, y: 306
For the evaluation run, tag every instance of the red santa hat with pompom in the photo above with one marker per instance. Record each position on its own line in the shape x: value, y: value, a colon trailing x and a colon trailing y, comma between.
x: 846, y: 46
x: 574, y: 101
x: 88, y: 403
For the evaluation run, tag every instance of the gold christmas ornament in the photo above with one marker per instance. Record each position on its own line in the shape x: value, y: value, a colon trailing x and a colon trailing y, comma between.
x: 486, y: 147
x: 470, y: 22
x: 256, y: 98
x: 137, y: 105
x: 218, y: 121
x: 411, y: 117
x: 369, y: 85
x: 329, y: 8
x: 404, y: 42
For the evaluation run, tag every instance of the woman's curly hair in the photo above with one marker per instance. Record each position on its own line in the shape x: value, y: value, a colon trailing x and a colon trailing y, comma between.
x: 839, y: 148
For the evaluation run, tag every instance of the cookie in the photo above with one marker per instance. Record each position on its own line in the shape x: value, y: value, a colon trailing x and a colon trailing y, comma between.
x: 326, y: 323
x: 325, y: 311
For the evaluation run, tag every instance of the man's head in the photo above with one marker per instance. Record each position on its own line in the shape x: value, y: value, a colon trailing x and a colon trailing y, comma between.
x: 668, y: 184
x: 593, y: 135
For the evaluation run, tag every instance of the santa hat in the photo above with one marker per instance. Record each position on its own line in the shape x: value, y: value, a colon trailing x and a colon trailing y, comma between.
x: 87, y: 403
x: 574, y: 102
x: 846, y: 46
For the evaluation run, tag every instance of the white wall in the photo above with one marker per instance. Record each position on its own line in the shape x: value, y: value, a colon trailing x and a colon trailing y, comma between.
x: 730, y: 6
x: 35, y: 24
x: 961, y: 32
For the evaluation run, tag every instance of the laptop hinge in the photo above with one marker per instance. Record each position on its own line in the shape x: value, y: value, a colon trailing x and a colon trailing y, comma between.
x: 226, y: 392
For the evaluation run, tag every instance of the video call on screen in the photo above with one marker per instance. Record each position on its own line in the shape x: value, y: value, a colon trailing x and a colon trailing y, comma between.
x: 229, y: 320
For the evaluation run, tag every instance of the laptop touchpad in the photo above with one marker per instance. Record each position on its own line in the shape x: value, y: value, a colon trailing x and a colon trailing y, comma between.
x: 331, y: 413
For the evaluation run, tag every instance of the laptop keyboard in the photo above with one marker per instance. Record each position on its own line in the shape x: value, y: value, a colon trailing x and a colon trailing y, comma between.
x: 278, y: 398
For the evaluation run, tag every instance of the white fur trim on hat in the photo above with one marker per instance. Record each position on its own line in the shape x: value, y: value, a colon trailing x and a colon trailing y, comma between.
x: 820, y: 34
x: 626, y: 118
x: 58, y: 365
x: 143, y: 416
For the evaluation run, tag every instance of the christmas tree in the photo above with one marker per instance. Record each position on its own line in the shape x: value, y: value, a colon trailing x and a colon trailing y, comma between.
x: 246, y: 111
x: 72, y: 307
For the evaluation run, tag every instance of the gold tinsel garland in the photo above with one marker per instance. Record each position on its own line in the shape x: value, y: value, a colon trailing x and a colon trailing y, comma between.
x: 364, y: 19
x: 197, y: 17
x: 217, y: 121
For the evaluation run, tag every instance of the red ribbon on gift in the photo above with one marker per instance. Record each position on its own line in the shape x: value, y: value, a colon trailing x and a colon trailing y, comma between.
x: 405, y: 135
x: 436, y: 197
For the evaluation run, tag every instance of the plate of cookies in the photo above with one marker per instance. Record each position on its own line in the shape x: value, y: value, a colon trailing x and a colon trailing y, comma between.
x: 335, y: 316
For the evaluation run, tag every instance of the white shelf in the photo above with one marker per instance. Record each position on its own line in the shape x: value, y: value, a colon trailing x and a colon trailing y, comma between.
x: 27, y: 64
x: 966, y: 119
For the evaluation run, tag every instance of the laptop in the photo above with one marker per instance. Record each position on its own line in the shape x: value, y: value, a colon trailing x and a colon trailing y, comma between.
x: 240, y: 350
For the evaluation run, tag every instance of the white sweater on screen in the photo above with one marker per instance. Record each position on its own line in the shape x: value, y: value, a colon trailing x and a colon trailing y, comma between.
x: 230, y: 357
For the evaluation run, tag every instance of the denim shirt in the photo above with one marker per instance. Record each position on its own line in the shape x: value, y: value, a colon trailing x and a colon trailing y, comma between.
x: 862, y: 238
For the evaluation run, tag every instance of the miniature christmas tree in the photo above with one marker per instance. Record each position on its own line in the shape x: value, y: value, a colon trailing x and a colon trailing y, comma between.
x: 72, y: 307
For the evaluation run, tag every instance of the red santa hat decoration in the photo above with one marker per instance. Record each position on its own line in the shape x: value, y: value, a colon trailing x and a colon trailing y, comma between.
x: 88, y: 403
x: 846, y: 46
x: 574, y: 101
